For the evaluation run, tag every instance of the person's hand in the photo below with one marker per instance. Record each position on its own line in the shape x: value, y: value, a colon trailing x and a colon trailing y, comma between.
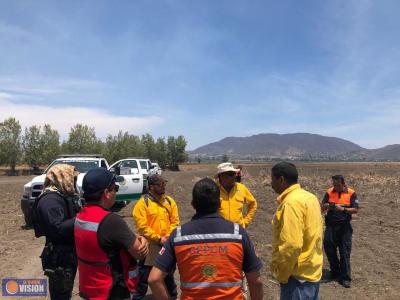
x: 144, y: 246
x: 324, y: 207
x: 339, y: 207
x: 163, y: 239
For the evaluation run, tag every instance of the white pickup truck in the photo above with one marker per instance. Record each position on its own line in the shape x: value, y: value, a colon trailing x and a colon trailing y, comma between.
x: 130, y: 189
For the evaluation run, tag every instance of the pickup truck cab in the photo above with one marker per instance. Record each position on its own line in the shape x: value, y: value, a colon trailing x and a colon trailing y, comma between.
x: 156, y: 168
x: 33, y: 188
x: 148, y: 167
x: 130, y: 189
x: 135, y: 182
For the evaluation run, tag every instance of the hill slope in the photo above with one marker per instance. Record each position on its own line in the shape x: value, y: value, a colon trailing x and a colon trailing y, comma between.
x: 296, y: 145
x: 389, y: 153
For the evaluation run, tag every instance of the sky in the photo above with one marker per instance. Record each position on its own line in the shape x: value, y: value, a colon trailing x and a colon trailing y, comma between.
x: 204, y: 69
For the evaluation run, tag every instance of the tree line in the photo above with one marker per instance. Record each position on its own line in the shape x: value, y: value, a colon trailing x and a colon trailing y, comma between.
x: 38, y: 145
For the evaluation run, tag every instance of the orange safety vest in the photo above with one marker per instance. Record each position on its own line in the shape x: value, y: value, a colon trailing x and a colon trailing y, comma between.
x: 345, y: 196
x: 210, y: 265
x: 94, y: 265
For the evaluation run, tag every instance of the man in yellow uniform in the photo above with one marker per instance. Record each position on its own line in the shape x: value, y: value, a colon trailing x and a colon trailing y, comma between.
x: 155, y: 215
x: 296, y: 236
x: 234, y: 196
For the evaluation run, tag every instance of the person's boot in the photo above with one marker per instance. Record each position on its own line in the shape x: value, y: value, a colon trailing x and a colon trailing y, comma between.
x: 345, y: 283
x: 333, y: 276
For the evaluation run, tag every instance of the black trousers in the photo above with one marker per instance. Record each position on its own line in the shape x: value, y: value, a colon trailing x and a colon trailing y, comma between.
x: 143, y: 285
x: 339, y: 236
x: 60, y: 265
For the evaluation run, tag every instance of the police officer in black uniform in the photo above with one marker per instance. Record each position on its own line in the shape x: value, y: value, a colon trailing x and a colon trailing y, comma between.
x: 53, y: 216
x: 341, y: 203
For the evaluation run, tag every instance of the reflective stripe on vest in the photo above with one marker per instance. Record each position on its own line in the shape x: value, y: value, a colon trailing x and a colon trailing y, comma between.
x: 208, y: 236
x: 192, y: 285
x: 85, y: 225
x: 210, y: 265
x: 345, y: 196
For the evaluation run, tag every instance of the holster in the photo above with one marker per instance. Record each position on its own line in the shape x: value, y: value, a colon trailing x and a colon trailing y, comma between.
x: 59, y: 267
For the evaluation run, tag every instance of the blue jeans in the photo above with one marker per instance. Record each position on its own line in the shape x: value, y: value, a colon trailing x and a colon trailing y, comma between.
x: 144, y: 272
x: 296, y: 290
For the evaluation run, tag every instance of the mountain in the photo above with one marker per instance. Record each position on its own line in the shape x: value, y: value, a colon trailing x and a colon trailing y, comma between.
x: 293, y: 146
x: 387, y: 153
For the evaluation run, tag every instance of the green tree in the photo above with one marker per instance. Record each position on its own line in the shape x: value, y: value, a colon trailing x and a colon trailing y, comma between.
x: 123, y: 145
x: 31, y: 145
x: 50, y: 144
x: 176, y: 151
x: 181, y: 144
x: 10, y: 143
x: 82, y: 140
x: 225, y: 158
x: 161, y: 152
x: 149, y: 146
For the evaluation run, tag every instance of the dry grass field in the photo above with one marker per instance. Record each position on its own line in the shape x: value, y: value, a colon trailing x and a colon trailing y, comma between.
x: 376, y: 239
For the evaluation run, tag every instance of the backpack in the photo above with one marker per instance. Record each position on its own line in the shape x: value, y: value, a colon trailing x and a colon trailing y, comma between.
x: 74, y: 205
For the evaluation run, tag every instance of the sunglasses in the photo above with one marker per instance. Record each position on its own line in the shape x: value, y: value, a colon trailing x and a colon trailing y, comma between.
x: 114, y: 187
x: 229, y: 174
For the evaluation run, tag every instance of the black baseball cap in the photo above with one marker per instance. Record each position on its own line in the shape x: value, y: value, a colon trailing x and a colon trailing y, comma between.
x: 98, y: 179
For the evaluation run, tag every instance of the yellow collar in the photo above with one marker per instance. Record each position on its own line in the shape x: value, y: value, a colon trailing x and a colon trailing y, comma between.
x: 291, y: 188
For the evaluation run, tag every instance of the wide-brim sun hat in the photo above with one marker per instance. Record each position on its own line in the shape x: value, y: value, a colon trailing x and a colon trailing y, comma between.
x: 226, y: 167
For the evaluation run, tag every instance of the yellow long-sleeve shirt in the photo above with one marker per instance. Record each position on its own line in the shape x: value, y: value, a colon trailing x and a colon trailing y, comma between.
x: 155, y: 219
x: 232, y: 204
x: 297, y: 236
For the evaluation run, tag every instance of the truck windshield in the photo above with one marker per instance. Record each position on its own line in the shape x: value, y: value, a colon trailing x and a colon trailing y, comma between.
x: 82, y: 166
x: 129, y: 164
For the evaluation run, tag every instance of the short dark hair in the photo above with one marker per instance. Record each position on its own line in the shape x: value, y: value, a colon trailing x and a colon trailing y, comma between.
x: 286, y: 170
x: 338, y: 177
x: 95, y: 197
x: 206, y: 196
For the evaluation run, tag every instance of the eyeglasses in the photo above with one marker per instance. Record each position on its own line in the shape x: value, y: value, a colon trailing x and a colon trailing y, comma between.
x: 114, y: 187
x: 229, y: 174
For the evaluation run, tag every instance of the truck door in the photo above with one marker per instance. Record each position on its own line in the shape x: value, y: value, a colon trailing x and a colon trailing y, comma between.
x: 131, y: 188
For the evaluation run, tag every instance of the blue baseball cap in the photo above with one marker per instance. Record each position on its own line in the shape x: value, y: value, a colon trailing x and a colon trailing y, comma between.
x: 98, y: 179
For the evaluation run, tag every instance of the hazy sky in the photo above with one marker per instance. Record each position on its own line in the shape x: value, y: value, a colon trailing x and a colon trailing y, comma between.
x: 204, y: 69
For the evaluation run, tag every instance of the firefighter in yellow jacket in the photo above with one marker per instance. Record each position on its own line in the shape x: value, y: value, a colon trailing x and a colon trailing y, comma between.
x: 155, y: 215
x: 296, y: 236
x: 234, y: 196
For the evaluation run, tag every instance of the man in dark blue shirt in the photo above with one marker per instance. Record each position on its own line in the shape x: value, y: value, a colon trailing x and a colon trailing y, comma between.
x: 341, y: 203
x: 210, y: 252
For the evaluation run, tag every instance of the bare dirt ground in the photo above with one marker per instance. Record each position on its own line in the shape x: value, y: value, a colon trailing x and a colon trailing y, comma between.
x: 376, y: 239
